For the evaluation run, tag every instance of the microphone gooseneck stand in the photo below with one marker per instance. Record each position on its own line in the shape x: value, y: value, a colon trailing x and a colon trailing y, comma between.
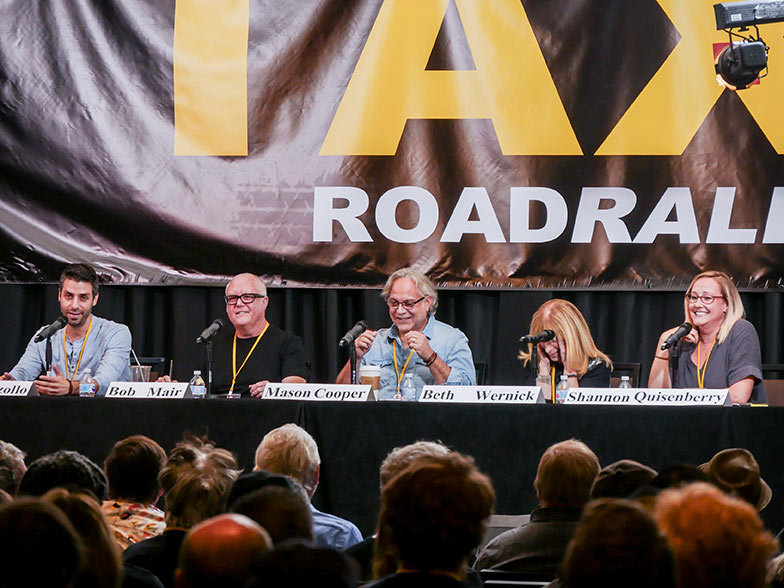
x: 209, y: 367
x: 673, y: 361
x: 49, y: 355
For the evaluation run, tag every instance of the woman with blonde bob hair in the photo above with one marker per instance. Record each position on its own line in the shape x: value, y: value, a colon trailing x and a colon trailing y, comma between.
x: 571, y: 352
x: 721, y: 351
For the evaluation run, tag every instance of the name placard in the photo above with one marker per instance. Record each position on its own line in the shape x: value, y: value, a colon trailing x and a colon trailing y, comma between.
x: 330, y: 392
x: 650, y: 396
x: 483, y: 394
x: 148, y: 390
x: 14, y: 388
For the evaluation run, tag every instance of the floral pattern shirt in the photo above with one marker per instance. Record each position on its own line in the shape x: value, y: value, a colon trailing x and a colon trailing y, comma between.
x: 132, y: 522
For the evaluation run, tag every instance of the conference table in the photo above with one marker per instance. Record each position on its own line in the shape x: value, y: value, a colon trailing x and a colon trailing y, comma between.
x: 353, y: 437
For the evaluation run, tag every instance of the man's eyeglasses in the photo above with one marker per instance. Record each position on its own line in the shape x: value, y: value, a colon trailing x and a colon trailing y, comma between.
x: 246, y: 298
x: 407, y: 304
x: 707, y: 299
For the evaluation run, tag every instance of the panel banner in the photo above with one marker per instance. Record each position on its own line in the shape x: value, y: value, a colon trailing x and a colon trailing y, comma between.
x: 493, y: 143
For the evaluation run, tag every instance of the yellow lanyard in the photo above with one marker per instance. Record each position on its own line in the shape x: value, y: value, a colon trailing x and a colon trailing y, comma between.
x: 247, y: 357
x: 79, y: 361
x: 552, y: 384
x: 701, y: 374
x: 405, y: 365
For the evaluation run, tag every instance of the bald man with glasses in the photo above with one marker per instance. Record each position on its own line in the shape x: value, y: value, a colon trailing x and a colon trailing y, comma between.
x: 416, y: 343
x: 255, y: 352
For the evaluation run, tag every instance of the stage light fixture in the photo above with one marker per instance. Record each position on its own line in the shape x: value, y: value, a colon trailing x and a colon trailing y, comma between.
x: 745, y: 60
x: 741, y: 64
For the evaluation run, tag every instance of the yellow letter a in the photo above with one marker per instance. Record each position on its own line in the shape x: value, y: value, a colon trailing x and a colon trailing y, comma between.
x: 511, y: 84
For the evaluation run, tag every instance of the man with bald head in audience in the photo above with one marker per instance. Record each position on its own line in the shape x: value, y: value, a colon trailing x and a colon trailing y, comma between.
x: 220, y: 551
x: 255, y: 352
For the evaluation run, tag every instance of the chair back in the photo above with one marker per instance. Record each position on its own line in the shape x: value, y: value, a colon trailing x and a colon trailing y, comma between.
x: 625, y: 369
x: 773, y: 376
x: 158, y: 365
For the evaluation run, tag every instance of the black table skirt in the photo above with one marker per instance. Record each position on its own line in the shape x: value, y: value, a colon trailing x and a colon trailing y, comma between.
x: 353, y: 438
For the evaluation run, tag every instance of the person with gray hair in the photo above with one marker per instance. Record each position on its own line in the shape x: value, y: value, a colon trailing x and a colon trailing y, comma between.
x: 12, y: 467
x: 290, y: 451
x: 416, y: 343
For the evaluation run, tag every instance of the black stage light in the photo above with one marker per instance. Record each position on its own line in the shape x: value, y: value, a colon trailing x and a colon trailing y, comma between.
x: 740, y: 64
x: 743, y: 62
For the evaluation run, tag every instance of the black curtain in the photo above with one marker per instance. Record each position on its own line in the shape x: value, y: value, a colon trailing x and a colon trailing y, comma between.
x: 165, y: 321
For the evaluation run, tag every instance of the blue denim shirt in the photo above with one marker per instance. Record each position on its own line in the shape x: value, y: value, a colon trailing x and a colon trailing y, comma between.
x: 332, y: 531
x: 106, y: 353
x: 450, y: 344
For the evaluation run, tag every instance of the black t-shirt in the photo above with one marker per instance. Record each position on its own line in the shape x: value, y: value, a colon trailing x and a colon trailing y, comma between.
x: 278, y: 355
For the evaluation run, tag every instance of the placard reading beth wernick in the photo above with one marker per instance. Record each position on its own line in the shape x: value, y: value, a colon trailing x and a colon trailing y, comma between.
x: 15, y: 388
x: 649, y: 396
x: 331, y: 392
x: 148, y: 390
x: 483, y: 394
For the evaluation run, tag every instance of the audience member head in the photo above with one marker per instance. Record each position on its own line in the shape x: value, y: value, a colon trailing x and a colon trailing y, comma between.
x: 38, y: 545
x: 736, y: 472
x: 283, y: 512
x: 620, y: 479
x: 717, y: 540
x: 565, y: 475
x: 677, y: 475
x: 291, y: 451
x: 63, y: 468
x: 220, y: 551
x: 104, y: 568
x: 196, y: 481
x: 132, y: 469
x: 5, y: 497
x: 617, y: 544
x: 299, y: 565
x: 12, y: 467
x: 434, y: 514
x: 401, y: 457
x: 249, y: 482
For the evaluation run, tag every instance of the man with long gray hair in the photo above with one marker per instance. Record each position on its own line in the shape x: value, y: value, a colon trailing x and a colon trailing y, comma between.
x: 416, y: 343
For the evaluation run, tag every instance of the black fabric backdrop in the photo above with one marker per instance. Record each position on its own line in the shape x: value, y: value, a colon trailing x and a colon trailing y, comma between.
x: 165, y: 320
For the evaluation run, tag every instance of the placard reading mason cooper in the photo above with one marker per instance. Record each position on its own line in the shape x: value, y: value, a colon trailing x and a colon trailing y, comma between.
x: 483, y: 394
x: 331, y: 392
x: 649, y: 396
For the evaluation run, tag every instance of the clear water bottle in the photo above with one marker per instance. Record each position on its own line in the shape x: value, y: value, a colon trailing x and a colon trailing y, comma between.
x: 562, y: 389
x: 625, y: 382
x: 408, y: 390
x: 197, y: 385
x: 86, y: 384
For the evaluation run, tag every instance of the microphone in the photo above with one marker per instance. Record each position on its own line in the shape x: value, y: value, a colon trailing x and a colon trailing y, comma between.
x: 682, y: 331
x: 210, y: 331
x: 353, y: 333
x: 47, y: 332
x: 545, y: 335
